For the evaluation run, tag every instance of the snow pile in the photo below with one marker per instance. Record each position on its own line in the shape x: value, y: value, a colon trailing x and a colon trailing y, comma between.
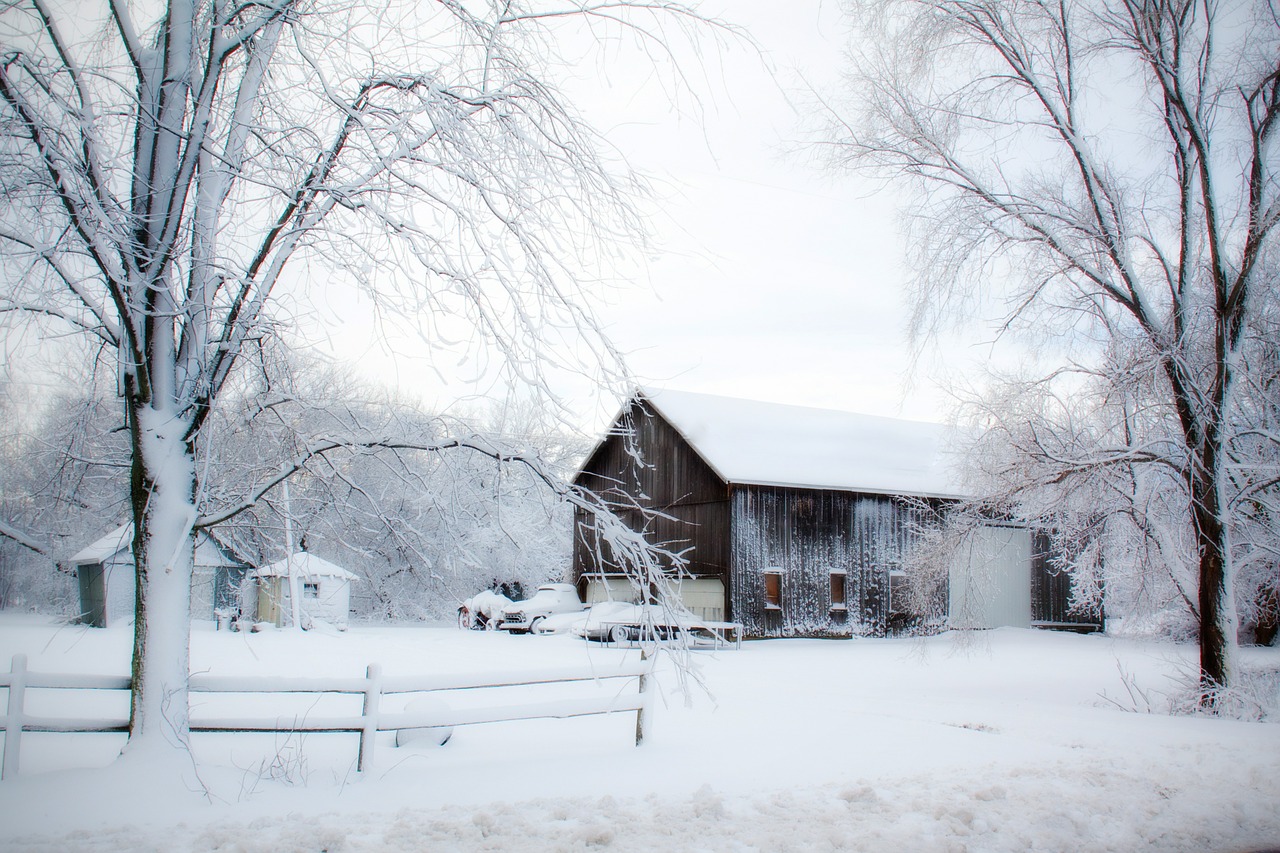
x: 1004, y: 744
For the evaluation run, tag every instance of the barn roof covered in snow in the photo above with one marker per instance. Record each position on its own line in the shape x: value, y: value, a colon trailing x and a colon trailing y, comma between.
x: 304, y: 565
x: 769, y: 444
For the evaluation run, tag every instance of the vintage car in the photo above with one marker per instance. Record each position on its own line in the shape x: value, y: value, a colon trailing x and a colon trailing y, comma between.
x: 526, y: 616
x: 622, y: 623
x: 482, y: 610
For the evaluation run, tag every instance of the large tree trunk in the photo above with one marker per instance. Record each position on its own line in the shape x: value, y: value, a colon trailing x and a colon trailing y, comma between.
x: 163, y: 494
x: 1217, y: 614
x: 1217, y: 597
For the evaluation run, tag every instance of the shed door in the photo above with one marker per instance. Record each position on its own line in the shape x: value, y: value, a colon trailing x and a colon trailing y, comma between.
x: 270, y: 595
x: 93, y: 604
x: 990, y: 584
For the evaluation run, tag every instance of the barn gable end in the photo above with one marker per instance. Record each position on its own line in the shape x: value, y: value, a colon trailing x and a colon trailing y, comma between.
x: 673, y: 479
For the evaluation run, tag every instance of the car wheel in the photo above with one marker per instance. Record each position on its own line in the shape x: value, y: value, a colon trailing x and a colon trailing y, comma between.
x: 620, y: 634
x: 535, y: 627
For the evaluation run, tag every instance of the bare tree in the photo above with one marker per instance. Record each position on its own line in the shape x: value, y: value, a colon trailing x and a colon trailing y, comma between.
x: 165, y: 164
x: 1113, y: 164
x: 423, y: 530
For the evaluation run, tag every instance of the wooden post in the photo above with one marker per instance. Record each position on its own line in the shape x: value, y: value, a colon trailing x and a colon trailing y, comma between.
x: 13, y: 719
x: 644, y: 698
x: 369, y: 716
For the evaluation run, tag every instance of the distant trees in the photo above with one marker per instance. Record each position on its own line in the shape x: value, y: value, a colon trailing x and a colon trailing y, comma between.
x: 423, y: 530
x: 1108, y: 171
x: 63, y: 475
x: 166, y: 167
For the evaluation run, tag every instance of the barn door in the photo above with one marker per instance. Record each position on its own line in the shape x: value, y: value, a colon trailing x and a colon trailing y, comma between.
x: 990, y: 583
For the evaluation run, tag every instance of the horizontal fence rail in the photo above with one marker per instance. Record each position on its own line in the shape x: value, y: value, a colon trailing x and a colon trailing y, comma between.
x: 371, y: 720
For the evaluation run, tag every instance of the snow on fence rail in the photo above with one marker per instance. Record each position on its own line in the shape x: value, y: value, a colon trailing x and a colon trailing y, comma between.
x: 371, y: 720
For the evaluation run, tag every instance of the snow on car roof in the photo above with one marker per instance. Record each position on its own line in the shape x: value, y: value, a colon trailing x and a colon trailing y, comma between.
x: 760, y: 443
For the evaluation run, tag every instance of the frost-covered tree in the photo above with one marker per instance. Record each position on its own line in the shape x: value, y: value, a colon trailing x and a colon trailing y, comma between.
x: 1108, y: 168
x: 64, y: 469
x: 422, y: 529
x: 170, y: 168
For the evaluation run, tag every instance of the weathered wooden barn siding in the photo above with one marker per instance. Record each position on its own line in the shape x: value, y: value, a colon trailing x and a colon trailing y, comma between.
x: 1051, y: 592
x: 806, y: 535
x: 672, y: 478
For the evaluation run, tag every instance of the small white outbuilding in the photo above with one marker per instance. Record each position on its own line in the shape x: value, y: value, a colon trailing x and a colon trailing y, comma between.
x: 107, y: 581
x: 323, y: 589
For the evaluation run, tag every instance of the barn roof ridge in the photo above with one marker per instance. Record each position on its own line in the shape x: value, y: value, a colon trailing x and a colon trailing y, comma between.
x: 753, y: 442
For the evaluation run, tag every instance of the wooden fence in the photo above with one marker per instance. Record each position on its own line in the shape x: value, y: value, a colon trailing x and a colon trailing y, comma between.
x: 374, y: 686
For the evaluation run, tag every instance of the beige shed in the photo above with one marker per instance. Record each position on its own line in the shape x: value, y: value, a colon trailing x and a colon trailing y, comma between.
x: 323, y: 589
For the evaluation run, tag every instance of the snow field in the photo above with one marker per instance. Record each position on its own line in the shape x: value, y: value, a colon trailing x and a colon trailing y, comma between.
x: 997, y: 743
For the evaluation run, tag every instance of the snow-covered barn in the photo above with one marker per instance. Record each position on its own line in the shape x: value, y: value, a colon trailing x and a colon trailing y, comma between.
x: 105, y: 576
x: 323, y: 590
x: 793, y: 519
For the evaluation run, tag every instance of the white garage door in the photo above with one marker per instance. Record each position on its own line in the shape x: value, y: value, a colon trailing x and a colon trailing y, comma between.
x: 703, y: 597
x: 612, y: 589
x: 990, y: 582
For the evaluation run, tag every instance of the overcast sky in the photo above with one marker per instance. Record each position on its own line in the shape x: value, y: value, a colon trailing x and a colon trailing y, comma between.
x: 770, y: 279
x: 780, y: 282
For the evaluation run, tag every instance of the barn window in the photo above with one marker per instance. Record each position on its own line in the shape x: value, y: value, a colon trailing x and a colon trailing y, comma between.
x: 898, y: 592
x: 838, y: 585
x: 310, y: 590
x: 773, y: 590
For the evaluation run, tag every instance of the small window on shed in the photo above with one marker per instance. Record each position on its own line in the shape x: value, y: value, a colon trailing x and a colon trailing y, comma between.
x: 838, y: 586
x: 773, y: 590
x: 310, y: 589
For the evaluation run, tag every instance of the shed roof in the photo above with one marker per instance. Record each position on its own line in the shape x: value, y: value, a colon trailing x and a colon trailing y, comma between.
x: 304, y: 565
x: 759, y: 443
x: 104, y: 548
x: 210, y: 551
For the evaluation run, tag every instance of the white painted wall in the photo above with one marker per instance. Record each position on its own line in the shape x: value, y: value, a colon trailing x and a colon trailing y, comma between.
x: 990, y: 583
x: 119, y: 578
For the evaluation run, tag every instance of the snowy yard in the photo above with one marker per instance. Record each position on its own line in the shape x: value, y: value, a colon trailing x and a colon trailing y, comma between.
x: 1005, y: 742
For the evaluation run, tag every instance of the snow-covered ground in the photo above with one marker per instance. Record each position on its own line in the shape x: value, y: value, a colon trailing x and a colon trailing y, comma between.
x: 1001, y: 742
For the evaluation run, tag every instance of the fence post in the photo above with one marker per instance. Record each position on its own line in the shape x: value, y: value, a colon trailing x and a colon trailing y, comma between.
x: 13, y: 719
x: 369, y: 716
x: 644, y: 698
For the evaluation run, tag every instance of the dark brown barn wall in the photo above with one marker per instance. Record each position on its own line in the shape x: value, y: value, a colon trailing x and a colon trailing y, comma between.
x: 806, y: 534
x: 672, y: 479
x: 1051, y: 592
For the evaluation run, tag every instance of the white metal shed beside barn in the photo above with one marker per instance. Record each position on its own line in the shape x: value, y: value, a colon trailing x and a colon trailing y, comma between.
x: 323, y: 589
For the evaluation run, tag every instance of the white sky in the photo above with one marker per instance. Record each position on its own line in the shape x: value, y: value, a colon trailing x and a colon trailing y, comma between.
x: 771, y: 279
x: 783, y: 283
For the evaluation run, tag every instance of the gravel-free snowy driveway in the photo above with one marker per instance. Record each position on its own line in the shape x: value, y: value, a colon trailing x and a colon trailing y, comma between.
x: 1003, y: 742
